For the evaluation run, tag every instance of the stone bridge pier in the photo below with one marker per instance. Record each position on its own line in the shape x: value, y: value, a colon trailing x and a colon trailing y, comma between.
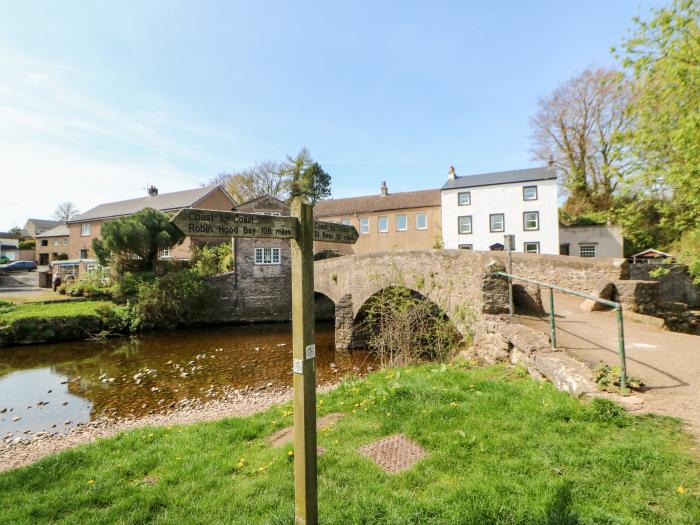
x: 460, y: 283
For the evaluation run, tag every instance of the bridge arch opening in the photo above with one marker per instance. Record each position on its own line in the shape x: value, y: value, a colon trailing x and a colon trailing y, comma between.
x: 402, y: 326
x: 324, y: 307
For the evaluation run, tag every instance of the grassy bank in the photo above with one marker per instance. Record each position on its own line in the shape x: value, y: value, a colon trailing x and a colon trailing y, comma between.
x: 501, y: 449
x: 46, y: 322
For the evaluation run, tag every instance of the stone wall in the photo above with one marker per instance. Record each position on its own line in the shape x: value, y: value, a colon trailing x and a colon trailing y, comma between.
x: 578, y: 273
x: 675, y: 287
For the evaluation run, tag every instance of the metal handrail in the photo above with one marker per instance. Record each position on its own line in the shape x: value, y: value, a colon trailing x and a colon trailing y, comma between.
x: 552, y: 326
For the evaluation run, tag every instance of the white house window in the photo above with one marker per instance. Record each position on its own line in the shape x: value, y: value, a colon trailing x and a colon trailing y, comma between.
x: 497, y: 222
x: 465, y: 246
x: 531, y: 220
x: 44, y: 242
x: 267, y: 256
x: 401, y: 223
x: 464, y: 198
x: 529, y: 193
x: 85, y: 229
x: 83, y: 254
x: 464, y: 224
x: 383, y: 224
x: 346, y: 222
x: 421, y: 221
x: 364, y: 225
x: 165, y: 253
x: 531, y: 247
x: 587, y: 250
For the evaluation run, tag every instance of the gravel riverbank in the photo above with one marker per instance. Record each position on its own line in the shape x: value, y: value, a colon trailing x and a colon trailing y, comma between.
x: 19, y: 451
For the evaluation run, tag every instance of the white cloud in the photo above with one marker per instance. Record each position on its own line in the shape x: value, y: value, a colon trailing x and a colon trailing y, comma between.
x: 59, y: 143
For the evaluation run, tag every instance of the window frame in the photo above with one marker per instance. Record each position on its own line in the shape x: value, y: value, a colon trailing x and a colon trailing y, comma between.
x: 537, y: 215
x: 405, y: 222
x: 44, y: 241
x: 85, y: 251
x: 471, y: 225
x: 425, y: 221
x: 85, y: 229
x: 469, y: 198
x: 588, y: 245
x: 536, y: 243
x: 503, y: 222
x: 536, y: 197
x: 364, y: 221
x: 275, y: 256
x: 165, y: 253
x: 379, y: 224
x: 346, y: 222
x: 469, y: 247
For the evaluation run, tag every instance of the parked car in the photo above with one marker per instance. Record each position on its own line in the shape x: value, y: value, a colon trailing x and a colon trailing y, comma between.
x: 18, y: 266
x: 4, y: 259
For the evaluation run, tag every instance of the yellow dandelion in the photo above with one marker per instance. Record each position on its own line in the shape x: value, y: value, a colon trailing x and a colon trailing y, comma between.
x: 681, y: 489
x: 91, y: 481
x: 388, y: 414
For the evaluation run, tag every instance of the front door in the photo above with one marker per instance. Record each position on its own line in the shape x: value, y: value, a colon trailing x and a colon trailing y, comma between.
x: 43, y: 259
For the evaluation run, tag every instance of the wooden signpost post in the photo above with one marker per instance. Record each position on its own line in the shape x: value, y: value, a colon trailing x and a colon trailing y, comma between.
x: 303, y: 231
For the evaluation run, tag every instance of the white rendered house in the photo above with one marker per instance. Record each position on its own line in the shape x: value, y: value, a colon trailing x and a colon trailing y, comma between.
x: 478, y: 210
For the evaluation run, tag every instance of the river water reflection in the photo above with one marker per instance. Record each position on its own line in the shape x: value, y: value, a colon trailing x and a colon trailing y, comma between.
x: 53, y: 387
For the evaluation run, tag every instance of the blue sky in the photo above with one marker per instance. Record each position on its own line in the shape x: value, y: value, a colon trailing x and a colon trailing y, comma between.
x: 99, y: 99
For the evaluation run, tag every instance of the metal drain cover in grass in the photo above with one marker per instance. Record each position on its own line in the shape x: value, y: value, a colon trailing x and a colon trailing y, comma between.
x: 394, y: 453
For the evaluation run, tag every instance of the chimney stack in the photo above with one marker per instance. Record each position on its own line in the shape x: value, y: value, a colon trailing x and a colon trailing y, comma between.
x: 152, y: 191
x: 383, y: 191
x: 451, y: 174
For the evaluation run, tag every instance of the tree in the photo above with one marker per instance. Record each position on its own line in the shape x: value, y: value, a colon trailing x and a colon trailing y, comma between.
x: 65, y: 212
x: 134, y: 242
x: 264, y: 178
x: 308, y: 176
x: 663, y: 56
x: 576, y: 128
x: 16, y: 230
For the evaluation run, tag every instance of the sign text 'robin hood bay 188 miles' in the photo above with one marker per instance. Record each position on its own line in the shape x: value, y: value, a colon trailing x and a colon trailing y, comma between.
x: 212, y: 223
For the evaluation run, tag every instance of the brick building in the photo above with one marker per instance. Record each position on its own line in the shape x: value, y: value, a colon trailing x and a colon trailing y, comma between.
x: 87, y: 226
x: 389, y: 221
x: 52, y: 244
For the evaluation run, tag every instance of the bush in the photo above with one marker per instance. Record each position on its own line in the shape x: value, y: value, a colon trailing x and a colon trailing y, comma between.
x: 171, y: 299
x: 27, y: 245
x: 211, y: 260
x: 406, y: 328
x: 93, y: 286
x: 607, y: 378
x: 127, y: 285
x: 122, y: 319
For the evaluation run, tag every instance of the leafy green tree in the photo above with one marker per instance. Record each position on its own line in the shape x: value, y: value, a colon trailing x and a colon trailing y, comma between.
x: 307, y: 176
x: 663, y: 56
x: 134, y: 242
x: 264, y: 178
x: 16, y: 230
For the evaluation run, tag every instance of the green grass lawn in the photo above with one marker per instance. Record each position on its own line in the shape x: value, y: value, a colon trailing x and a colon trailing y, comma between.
x: 502, y: 449
x: 8, y: 314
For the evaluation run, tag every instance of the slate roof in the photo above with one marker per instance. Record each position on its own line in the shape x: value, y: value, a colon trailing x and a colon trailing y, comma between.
x: 8, y: 235
x: 43, y: 223
x: 163, y: 202
x: 61, y: 230
x: 376, y: 203
x: 501, y: 177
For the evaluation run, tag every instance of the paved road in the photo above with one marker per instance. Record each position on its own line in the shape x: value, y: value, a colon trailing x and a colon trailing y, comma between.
x: 667, y: 362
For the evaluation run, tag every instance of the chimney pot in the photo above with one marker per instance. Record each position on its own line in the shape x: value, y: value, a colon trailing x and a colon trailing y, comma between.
x: 451, y: 174
x: 384, y: 190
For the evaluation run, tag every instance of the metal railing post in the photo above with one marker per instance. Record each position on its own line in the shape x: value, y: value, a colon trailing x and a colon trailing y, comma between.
x: 552, y: 327
x: 507, y: 239
x: 612, y: 304
x: 621, y: 347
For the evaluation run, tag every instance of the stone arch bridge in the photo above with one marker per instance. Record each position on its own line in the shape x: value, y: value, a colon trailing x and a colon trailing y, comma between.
x: 460, y: 282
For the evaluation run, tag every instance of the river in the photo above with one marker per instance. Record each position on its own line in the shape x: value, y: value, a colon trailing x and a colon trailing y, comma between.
x: 53, y: 387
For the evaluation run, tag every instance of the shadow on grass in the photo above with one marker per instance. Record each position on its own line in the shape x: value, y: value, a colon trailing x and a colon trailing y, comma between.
x: 560, y: 508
